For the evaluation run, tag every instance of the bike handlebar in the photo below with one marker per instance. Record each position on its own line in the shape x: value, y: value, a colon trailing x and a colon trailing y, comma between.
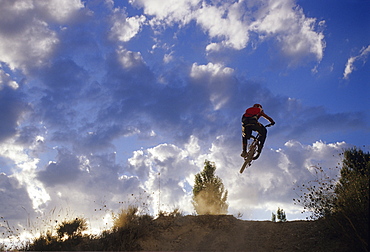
x: 267, y: 125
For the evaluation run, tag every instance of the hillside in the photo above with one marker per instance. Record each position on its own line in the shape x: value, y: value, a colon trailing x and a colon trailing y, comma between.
x: 203, y: 233
x: 226, y: 233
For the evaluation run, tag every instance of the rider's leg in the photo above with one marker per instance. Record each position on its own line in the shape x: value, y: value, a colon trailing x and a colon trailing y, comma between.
x: 244, y: 151
x: 262, y: 138
x: 246, y: 134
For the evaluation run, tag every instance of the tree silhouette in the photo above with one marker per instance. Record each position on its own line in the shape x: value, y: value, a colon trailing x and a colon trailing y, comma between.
x: 209, y: 194
x: 280, y: 214
x: 343, y: 202
x: 352, y: 195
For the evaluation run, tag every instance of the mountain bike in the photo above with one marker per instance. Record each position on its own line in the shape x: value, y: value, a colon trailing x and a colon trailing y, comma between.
x: 252, y: 150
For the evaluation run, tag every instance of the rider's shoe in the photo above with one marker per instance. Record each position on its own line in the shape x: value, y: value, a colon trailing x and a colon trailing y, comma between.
x: 258, y: 152
x: 244, y: 154
x: 257, y: 156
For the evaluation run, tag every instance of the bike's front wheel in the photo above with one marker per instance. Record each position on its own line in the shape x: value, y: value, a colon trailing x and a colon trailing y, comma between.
x: 249, y: 157
x: 251, y: 152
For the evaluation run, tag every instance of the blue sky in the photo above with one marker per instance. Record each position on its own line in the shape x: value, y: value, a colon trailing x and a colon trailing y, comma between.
x: 108, y: 103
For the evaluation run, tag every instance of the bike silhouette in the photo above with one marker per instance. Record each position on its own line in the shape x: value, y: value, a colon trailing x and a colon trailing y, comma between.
x: 252, y: 150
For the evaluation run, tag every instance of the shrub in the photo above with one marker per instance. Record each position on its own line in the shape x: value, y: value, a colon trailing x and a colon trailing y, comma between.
x: 69, y: 236
x: 318, y: 196
x: 175, y: 213
x: 128, y: 227
x: 125, y: 218
x: 72, y: 229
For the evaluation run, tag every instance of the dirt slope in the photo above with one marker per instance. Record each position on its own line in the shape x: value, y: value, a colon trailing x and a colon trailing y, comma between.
x: 226, y: 233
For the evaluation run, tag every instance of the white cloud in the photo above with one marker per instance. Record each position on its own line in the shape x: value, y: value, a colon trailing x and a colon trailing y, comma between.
x: 26, y: 39
x: 125, y: 28
x: 169, y: 11
x: 215, y: 70
x: 30, y: 47
x: 224, y: 22
x: 6, y: 80
x: 13, y: 196
x: 351, y: 61
x: 24, y: 166
x: 193, y: 146
x: 129, y: 59
x: 268, y: 183
x: 12, y: 106
x: 229, y: 24
x: 59, y: 10
x: 287, y: 23
x: 214, y: 47
x: 167, y: 58
x: 168, y: 170
x: 218, y: 79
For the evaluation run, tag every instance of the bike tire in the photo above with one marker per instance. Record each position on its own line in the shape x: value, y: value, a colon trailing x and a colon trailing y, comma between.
x: 250, y: 154
x: 243, y: 166
x: 252, y: 151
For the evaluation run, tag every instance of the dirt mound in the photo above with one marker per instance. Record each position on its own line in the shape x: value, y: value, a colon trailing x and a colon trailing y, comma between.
x: 227, y: 233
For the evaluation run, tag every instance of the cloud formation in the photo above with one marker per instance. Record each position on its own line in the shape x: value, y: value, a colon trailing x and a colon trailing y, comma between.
x: 231, y: 24
x: 350, y: 66
x: 103, y: 105
x: 12, y: 106
x: 26, y: 37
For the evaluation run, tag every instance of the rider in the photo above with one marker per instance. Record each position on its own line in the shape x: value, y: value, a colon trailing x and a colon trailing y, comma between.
x: 249, y: 123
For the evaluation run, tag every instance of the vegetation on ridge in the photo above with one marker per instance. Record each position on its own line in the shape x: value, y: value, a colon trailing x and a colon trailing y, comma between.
x: 343, y: 203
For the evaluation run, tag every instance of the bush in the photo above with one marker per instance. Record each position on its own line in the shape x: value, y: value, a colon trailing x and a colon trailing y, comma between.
x: 128, y: 227
x: 318, y: 196
x: 175, y: 213
x: 69, y: 236
x: 72, y: 229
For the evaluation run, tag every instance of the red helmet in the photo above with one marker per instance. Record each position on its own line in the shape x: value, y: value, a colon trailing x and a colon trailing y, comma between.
x: 257, y: 105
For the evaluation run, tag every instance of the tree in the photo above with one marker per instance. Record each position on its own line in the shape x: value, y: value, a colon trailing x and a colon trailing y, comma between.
x: 209, y: 194
x: 273, y: 217
x: 280, y: 214
x: 343, y: 202
x: 351, y: 211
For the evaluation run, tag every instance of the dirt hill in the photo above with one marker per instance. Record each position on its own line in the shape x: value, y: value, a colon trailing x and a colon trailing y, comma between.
x: 227, y: 233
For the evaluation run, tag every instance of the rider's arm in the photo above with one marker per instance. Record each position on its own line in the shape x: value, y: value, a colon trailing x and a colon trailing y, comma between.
x: 268, y: 118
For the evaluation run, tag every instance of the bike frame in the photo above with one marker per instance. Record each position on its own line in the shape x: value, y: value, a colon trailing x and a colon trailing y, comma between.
x: 252, y: 150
